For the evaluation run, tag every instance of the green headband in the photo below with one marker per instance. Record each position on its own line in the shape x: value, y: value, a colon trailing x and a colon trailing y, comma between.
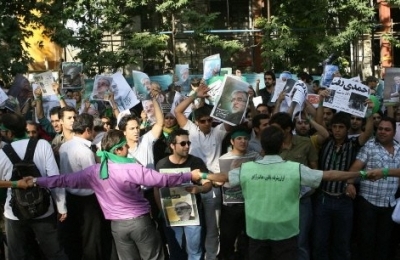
x: 239, y: 133
x: 105, y: 156
x: 3, y: 128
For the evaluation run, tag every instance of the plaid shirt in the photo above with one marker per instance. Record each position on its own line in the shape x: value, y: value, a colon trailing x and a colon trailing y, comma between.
x: 379, y: 193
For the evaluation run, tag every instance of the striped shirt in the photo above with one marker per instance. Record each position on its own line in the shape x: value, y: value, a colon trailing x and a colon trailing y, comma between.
x: 374, y: 156
x: 339, y: 158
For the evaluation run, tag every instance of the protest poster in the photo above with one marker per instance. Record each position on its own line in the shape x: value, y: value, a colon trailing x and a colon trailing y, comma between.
x: 211, y: 66
x: 183, y: 79
x: 71, y: 75
x: 124, y: 96
x: 102, y: 86
x: 142, y: 84
x: 347, y: 96
x: 215, y: 91
x: 45, y: 81
x: 313, y: 99
x: 232, y: 103
x: 279, y: 87
x: 225, y: 71
x: 391, y: 91
x: 327, y: 77
x: 178, y: 98
x: 3, y: 97
x: 298, y: 95
x: 232, y: 194
x: 163, y: 80
x: 179, y: 206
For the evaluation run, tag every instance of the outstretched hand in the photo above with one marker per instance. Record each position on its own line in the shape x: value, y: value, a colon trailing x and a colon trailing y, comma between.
x: 374, y: 174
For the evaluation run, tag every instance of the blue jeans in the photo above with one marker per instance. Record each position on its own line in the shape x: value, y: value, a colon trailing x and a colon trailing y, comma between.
x: 374, y: 230
x: 193, y: 241
x: 137, y: 238
x: 333, y: 223
x: 306, y: 216
x: 45, y: 231
x: 212, y: 210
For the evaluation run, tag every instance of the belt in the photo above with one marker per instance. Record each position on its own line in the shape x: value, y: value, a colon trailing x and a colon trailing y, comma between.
x: 335, y: 195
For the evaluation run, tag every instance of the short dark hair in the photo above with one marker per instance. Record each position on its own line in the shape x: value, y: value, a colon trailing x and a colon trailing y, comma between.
x: 15, y: 123
x: 111, y: 138
x: 270, y: 73
x: 202, y: 112
x: 124, y: 121
x: 341, y: 118
x: 262, y: 105
x: 65, y: 109
x: 82, y: 122
x: 175, y: 133
x: 316, y: 82
x: 195, y: 82
x: 283, y: 119
x: 257, y: 119
x: 239, y: 128
x: 391, y: 120
x: 272, y: 140
x: 371, y: 79
x: 55, y: 111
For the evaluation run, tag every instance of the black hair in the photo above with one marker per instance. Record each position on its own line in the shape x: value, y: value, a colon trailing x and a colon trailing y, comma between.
x: 65, y: 109
x: 283, y: 119
x: 55, y: 111
x: 270, y: 73
x: 272, y: 140
x: 391, y: 120
x: 82, y: 122
x: 341, y: 118
x: 202, y: 112
x: 15, y: 123
x: 175, y: 133
x: 111, y: 138
x: 257, y: 119
x: 124, y: 121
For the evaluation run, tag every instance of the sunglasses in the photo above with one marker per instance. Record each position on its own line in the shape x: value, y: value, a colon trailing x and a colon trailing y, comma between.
x: 203, y: 121
x: 184, y: 143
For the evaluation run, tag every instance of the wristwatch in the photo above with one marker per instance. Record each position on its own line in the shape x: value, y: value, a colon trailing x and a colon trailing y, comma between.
x: 34, y: 180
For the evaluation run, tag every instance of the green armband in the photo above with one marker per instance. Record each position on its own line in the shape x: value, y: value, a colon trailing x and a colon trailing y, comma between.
x: 14, y: 184
x: 204, y: 176
x: 363, y: 175
x: 194, y: 95
x: 60, y: 97
x: 385, y: 172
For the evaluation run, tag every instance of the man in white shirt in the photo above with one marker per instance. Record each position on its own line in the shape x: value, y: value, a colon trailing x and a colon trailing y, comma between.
x: 44, y: 227
x: 82, y: 232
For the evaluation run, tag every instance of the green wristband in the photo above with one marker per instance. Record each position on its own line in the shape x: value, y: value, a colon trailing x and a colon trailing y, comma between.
x: 194, y: 95
x: 385, y: 172
x: 363, y: 175
x: 60, y: 97
x: 204, y: 175
x: 14, y: 184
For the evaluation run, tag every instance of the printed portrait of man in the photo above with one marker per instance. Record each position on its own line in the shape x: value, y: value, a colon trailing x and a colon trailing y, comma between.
x: 183, y: 210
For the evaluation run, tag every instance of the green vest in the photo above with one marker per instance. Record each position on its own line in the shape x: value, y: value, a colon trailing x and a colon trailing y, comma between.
x: 271, y: 196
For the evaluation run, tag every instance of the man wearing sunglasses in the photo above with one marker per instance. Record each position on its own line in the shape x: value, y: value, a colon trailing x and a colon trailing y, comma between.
x: 206, y: 143
x: 180, y: 158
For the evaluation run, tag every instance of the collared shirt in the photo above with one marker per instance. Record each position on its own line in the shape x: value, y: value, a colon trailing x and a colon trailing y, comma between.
x: 308, y: 177
x: 206, y: 146
x: 381, y: 192
x: 119, y: 196
x: 337, y: 158
x: 47, y: 166
x: 255, y: 145
x: 76, y: 155
x: 143, y: 152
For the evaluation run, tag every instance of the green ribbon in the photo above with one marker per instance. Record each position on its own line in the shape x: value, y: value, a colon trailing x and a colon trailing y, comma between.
x: 22, y: 138
x: 105, y: 156
x: 239, y: 133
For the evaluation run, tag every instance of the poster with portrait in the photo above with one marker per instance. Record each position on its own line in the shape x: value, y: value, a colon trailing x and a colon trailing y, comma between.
x: 327, y: 76
x: 211, y: 66
x: 232, y: 194
x: 45, y: 81
x: 347, y: 96
x: 3, y: 97
x: 183, y: 78
x: 298, y: 95
x: 391, y: 91
x: 72, y: 75
x: 148, y: 108
x: 178, y: 98
x: 215, y: 91
x: 124, y: 96
x: 232, y: 103
x: 102, y: 87
x: 142, y: 84
x: 179, y: 206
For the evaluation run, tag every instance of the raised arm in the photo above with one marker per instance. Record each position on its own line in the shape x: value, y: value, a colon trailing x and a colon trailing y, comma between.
x: 156, y: 130
x: 56, y: 88
x: 200, y: 92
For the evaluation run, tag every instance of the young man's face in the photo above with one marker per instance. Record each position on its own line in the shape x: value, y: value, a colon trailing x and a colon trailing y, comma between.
x: 385, y: 133
x: 205, y: 124
x: 68, y: 120
x: 302, y: 127
x: 339, y: 132
x: 262, y: 110
x: 181, y: 146
x: 269, y: 82
x: 356, y: 123
x: 32, y: 131
x: 327, y: 116
x: 240, y: 143
x: 55, y: 122
x: 132, y: 131
x: 263, y: 124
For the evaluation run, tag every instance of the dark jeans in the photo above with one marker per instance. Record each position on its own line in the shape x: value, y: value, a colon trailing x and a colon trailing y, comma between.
x: 285, y: 249
x: 374, y: 230
x: 232, y: 226
x: 85, y: 234
x: 45, y: 231
x: 333, y: 224
x: 306, y: 216
x: 137, y: 238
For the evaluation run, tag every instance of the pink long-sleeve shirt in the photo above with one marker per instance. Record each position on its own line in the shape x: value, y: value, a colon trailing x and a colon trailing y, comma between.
x: 119, y: 196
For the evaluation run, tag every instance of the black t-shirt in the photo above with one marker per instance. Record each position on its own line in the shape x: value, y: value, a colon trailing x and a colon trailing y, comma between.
x: 192, y: 162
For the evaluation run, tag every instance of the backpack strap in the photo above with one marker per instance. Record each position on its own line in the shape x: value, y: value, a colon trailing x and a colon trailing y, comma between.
x: 11, y: 154
x: 30, y: 150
